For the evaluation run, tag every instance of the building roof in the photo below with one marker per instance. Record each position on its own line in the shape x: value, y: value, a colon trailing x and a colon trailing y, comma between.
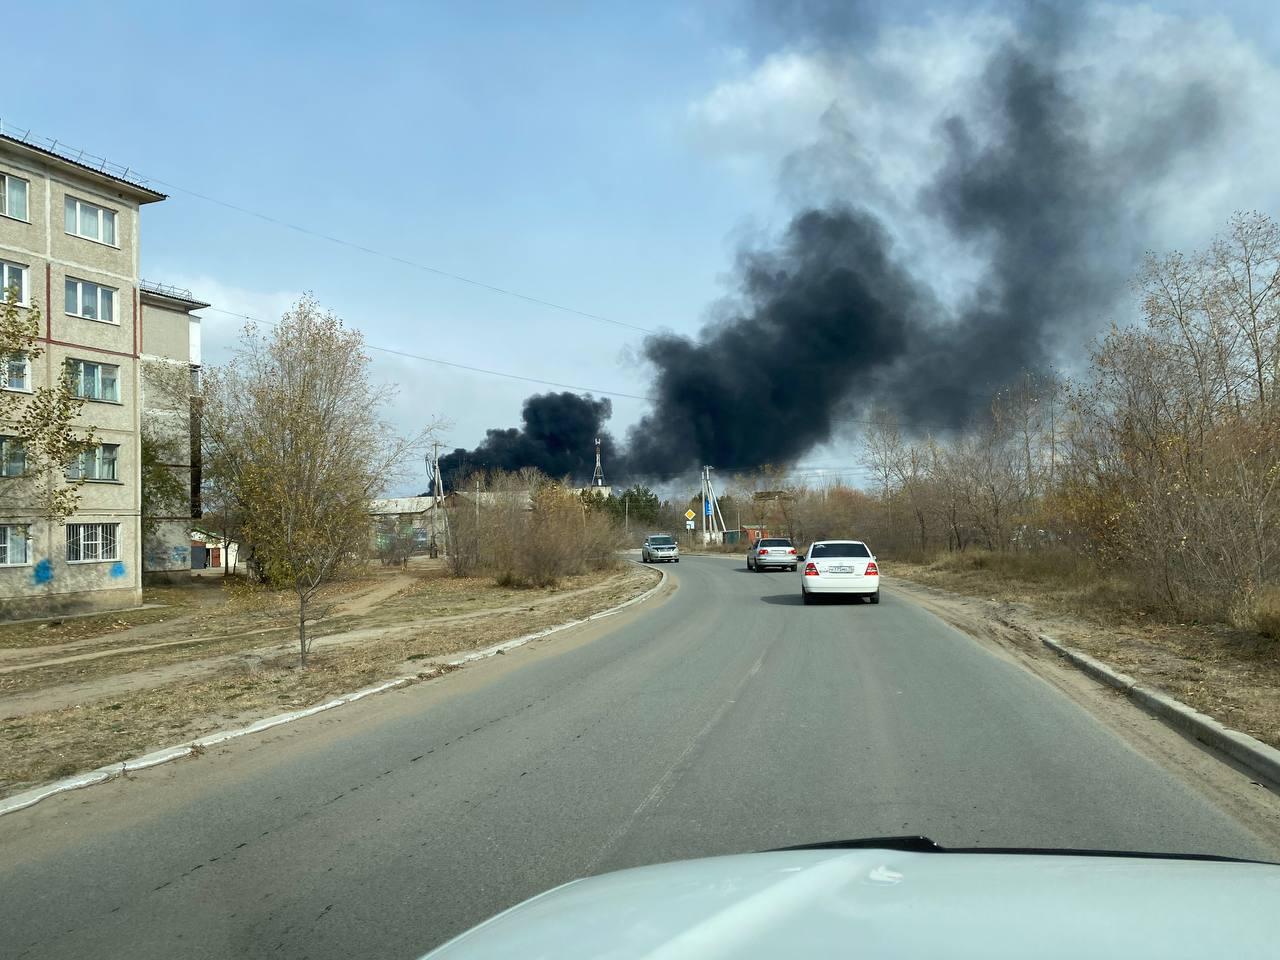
x: 121, y: 179
x: 399, y: 505
x: 167, y: 295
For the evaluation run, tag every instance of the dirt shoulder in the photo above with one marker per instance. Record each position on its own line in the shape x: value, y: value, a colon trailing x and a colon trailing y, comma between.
x: 1231, y: 675
x: 94, y: 699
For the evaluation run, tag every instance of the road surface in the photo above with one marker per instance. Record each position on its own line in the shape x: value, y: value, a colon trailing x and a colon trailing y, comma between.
x: 726, y: 717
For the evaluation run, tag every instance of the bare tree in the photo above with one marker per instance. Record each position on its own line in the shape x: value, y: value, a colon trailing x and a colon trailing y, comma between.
x: 294, y: 433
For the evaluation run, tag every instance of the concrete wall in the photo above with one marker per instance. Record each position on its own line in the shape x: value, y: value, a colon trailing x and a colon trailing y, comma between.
x: 48, y: 583
x: 165, y: 332
x: 166, y: 387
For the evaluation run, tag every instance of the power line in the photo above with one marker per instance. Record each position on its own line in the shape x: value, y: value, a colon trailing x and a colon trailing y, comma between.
x: 464, y: 366
x: 62, y: 148
x: 426, y: 268
x: 501, y: 373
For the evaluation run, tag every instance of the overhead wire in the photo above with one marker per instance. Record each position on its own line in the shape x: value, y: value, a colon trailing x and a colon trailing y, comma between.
x: 371, y: 251
x: 394, y: 258
x: 57, y: 146
x: 500, y: 373
x: 468, y: 367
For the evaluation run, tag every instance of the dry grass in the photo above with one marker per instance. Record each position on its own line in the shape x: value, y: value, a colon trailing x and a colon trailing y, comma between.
x: 1266, y: 614
x: 16, y: 636
x: 56, y: 743
x: 255, y: 621
x: 1233, y: 675
x: 1058, y: 579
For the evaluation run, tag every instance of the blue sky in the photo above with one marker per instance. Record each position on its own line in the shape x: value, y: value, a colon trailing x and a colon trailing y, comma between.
x: 571, y: 151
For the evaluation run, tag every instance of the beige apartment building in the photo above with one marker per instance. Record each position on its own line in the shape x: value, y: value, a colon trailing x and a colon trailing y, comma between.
x: 170, y: 370
x: 69, y: 239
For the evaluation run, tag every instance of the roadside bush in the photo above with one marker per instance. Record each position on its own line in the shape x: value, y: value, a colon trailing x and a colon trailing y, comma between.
x: 1266, y: 613
x: 529, y: 531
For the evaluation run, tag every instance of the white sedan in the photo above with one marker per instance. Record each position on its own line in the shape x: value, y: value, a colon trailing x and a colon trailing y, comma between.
x: 840, y: 566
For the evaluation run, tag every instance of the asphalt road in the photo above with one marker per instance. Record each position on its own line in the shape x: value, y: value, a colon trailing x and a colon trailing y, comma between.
x: 726, y: 718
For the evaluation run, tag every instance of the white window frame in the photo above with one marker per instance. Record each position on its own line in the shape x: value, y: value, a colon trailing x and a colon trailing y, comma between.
x: 98, y: 213
x: 19, y: 533
x: 77, y: 368
x: 79, y: 310
x: 78, y: 470
x: 95, y: 538
x: 7, y: 268
x: 26, y: 378
x: 11, y: 450
x: 4, y: 197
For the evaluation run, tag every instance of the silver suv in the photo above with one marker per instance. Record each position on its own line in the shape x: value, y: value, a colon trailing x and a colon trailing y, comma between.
x: 659, y: 547
x: 771, y: 552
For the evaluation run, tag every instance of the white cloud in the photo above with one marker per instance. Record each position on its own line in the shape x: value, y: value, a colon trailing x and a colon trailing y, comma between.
x: 219, y: 331
x: 866, y: 126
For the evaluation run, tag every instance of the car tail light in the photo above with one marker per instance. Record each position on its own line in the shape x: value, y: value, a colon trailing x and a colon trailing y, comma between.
x: 810, y: 569
x: 792, y: 551
x: 872, y: 570
x: 763, y: 551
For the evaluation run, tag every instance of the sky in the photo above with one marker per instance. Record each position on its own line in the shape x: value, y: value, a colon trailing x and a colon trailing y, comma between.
x: 609, y: 158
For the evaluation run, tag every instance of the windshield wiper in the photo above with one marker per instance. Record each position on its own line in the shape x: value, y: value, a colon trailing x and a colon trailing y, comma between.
x: 918, y: 844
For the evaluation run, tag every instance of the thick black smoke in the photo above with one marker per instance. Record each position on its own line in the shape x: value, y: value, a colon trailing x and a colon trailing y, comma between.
x: 832, y: 323
x: 558, y: 438
x: 827, y: 311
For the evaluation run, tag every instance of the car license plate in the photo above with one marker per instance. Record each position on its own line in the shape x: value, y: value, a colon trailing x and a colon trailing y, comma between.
x: 841, y: 569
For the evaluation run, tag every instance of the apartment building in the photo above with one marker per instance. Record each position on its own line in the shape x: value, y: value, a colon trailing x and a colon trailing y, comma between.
x: 69, y: 239
x: 169, y: 347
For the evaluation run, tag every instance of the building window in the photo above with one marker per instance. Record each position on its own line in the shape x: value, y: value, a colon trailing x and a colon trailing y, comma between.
x: 13, y: 459
x: 13, y: 275
x: 13, y: 545
x: 94, y: 381
x: 13, y: 196
x: 90, y: 300
x: 17, y: 373
x: 90, y: 221
x: 96, y: 464
x: 92, y: 541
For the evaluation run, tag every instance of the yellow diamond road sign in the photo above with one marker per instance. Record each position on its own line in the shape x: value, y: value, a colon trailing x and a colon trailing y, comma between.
x: 689, y: 514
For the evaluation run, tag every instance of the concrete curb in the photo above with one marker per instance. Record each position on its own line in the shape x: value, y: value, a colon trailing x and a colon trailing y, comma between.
x: 31, y: 797
x: 1258, y: 757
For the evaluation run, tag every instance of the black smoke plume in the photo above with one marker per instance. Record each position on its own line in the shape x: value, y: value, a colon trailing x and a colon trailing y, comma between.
x: 558, y: 438
x: 832, y: 321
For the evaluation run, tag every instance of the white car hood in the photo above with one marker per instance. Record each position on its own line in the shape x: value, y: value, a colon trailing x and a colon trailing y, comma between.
x: 885, y: 903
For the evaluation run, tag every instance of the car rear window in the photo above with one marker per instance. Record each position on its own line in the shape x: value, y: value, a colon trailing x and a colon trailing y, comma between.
x: 775, y: 542
x: 659, y: 541
x: 840, y: 550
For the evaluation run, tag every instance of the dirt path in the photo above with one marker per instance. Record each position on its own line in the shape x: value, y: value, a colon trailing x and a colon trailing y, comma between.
x: 71, y: 693
x: 366, y: 602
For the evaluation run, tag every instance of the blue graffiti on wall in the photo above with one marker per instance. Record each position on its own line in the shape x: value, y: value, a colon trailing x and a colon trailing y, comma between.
x: 42, y: 574
x: 117, y: 569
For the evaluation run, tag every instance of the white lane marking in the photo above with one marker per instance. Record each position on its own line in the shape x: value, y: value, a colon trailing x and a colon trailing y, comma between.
x: 667, y: 780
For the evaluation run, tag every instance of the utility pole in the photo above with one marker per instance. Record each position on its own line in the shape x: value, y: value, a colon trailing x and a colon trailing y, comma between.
x: 597, y: 478
x: 437, y: 497
x: 714, y: 505
x: 626, y: 515
x: 702, y: 504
